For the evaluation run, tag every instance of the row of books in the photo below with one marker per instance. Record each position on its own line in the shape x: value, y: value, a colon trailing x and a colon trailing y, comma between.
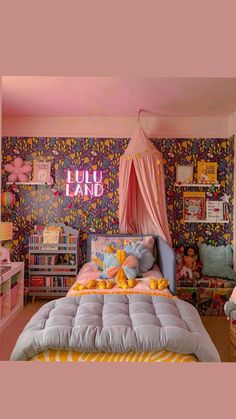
x: 43, y: 259
x: 64, y: 238
x: 52, y: 281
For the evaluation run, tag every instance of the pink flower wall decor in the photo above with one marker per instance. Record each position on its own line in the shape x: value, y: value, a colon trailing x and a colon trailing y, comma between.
x: 18, y: 170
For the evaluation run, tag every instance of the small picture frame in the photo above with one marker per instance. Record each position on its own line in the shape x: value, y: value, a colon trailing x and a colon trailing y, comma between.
x: 215, y: 210
x: 194, y: 206
x: 42, y: 172
x: 184, y: 174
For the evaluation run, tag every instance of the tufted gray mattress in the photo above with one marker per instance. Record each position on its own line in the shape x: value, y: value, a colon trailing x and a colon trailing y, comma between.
x: 116, y: 323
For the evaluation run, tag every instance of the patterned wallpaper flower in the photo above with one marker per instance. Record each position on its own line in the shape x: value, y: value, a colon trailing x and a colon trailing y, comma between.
x: 39, y: 205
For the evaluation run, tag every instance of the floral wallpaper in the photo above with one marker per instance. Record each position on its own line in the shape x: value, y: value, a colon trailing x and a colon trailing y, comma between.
x: 40, y: 204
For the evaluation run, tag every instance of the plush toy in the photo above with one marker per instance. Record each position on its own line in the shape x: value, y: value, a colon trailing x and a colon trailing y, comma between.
x: 109, y: 284
x: 121, y: 267
x: 102, y: 285
x: 92, y: 283
x: 18, y: 169
x: 79, y: 287
x: 131, y: 283
x: 159, y: 284
x: 8, y: 199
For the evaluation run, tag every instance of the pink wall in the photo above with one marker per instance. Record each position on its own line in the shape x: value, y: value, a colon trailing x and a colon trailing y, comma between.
x: 172, y: 127
x: 0, y: 135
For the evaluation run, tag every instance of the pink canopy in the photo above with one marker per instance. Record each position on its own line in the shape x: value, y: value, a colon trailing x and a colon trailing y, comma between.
x: 142, y: 200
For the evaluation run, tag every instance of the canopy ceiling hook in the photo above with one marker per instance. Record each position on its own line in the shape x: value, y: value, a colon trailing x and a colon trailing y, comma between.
x: 139, y: 114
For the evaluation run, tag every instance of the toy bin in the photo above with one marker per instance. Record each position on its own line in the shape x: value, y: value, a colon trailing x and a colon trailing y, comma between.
x: 14, y: 292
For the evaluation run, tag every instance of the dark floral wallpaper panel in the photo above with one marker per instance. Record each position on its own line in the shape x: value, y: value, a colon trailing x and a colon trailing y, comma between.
x: 40, y: 205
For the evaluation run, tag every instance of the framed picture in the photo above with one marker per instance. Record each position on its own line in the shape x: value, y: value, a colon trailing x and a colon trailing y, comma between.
x: 51, y: 234
x: 207, y: 172
x: 184, y: 174
x: 194, y: 206
x: 42, y: 171
x: 215, y: 210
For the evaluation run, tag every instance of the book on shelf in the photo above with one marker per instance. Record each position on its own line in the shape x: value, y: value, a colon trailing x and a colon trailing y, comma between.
x: 215, y: 210
x: 38, y: 228
x: 51, y: 234
x: 194, y: 206
x: 43, y: 259
x: 184, y: 174
x: 42, y: 171
x: 52, y: 281
x: 207, y: 172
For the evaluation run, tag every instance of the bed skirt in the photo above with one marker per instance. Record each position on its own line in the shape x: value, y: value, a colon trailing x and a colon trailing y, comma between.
x: 71, y: 356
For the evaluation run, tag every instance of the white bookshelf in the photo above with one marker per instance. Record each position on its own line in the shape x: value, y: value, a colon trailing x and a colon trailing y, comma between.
x: 58, y: 271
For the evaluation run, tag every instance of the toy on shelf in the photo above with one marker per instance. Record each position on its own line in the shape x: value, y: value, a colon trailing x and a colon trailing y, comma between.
x: 19, y: 170
x: 188, y: 265
x: 8, y: 199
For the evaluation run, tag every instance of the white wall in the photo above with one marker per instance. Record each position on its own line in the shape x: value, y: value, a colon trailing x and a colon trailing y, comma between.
x: 115, y: 127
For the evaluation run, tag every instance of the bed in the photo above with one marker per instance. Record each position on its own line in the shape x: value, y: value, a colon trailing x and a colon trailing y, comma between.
x: 137, y: 324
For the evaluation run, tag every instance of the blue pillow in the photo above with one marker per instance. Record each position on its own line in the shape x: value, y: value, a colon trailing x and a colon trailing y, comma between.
x: 143, y: 254
x: 217, y: 261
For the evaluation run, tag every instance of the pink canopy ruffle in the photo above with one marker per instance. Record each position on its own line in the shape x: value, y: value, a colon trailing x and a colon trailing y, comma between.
x: 142, y: 199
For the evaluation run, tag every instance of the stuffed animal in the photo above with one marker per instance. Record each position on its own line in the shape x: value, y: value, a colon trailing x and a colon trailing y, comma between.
x: 102, y: 285
x: 92, y: 283
x: 159, y: 284
x: 79, y: 287
x: 109, y: 284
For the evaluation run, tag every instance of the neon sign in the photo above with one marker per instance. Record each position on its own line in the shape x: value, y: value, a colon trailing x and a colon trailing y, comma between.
x: 84, y: 183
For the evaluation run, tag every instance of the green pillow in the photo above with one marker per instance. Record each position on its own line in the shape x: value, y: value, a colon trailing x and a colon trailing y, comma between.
x: 217, y: 261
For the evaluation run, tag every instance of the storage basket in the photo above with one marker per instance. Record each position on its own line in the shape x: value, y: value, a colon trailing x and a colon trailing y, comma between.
x: 232, y: 337
x: 14, y: 292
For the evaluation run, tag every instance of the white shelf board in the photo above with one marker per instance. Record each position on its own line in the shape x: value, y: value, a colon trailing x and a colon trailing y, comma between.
x: 198, y: 185
x: 207, y: 221
x: 29, y: 183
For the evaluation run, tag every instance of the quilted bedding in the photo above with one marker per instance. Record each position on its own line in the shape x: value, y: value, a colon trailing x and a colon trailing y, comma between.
x: 116, y: 323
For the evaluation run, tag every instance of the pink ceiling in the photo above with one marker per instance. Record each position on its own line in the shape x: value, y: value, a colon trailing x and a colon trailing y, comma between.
x: 118, y: 96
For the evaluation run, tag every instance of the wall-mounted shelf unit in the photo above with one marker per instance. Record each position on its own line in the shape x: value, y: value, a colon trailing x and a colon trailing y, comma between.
x: 198, y: 185
x: 207, y: 221
x: 29, y: 183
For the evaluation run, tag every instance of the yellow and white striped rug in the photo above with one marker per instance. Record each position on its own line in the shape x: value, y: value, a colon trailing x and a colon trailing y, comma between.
x: 154, y: 356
